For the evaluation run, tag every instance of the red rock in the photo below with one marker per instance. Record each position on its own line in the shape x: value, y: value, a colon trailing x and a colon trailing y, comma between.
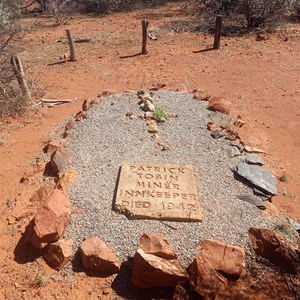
x: 238, y: 122
x: 270, y: 211
x: 224, y: 258
x: 271, y: 246
x: 79, y: 117
x: 153, y: 271
x: 158, y: 245
x: 201, y: 95
x: 70, y: 125
x: 212, y: 126
x: 153, y: 128
x: 251, y: 149
x: 86, y: 105
x: 157, y: 86
x: 108, y: 92
x: 42, y: 193
x: 96, y: 255
x: 204, y: 279
x: 59, y: 253
x: 219, y: 104
x: 51, y: 219
x: 59, y: 159
x: 54, y: 145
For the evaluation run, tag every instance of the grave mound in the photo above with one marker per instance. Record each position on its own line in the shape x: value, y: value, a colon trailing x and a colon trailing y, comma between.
x: 114, y: 140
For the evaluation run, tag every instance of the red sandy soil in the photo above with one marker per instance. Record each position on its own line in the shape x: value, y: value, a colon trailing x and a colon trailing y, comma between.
x: 260, y: 78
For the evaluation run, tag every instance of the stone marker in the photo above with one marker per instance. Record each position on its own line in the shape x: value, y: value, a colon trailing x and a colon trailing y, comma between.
x: 158, y: 191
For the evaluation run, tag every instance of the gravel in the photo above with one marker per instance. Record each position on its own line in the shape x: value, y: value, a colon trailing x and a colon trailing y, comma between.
x: 107, y: 138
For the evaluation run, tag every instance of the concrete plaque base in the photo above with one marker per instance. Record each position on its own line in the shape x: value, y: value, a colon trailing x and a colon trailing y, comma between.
x: 158, y: 191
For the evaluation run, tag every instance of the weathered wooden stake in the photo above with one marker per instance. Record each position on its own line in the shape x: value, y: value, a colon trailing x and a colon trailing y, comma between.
x: 145, y: 24
x: 218, y: 32
x: 72, y: 45
x: 19, y: 73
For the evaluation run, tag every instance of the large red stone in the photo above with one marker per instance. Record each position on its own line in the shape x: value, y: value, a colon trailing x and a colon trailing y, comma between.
x: 158, y: 245
x: 204, y: 279
x: 153, y: 271
x: 224, y: 258
x: 271, y: 246
x: 59, y: 253
x: 54, y: 145
x: 60, y: 159
x: 97, y: 256
x: 219, y: 104
x: 51, y: 219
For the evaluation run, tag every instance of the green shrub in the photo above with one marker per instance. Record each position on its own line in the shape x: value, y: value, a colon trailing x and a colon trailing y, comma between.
x: 250, y: 13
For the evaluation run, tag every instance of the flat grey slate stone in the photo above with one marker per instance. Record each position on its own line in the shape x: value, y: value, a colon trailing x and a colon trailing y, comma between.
x: 254, y: 159
x: 221, y: 119
x: 232, y: 151
x: 259, y: 176
x: 253, y: 200
x: 264, y: 196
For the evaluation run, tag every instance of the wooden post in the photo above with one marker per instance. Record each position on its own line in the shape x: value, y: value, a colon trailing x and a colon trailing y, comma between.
x: 145, y: 24
x: 218, y: 32
x: 72, y: 45
x: 20, y: 75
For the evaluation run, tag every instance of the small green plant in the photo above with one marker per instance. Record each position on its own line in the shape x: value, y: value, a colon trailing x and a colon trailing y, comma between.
x: 284, y: 177
x: 39, y: 280
x: 160, y: 115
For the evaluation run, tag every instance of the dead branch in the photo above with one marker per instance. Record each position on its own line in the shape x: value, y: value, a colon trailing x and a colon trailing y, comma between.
x: 55, y: 100
x: 82, y: 40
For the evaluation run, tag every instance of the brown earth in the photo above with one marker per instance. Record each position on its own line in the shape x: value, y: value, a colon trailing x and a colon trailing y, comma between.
x: 260, y: 78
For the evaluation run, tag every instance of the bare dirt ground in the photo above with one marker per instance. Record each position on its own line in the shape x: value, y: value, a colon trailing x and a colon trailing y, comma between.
x: 260, y: 78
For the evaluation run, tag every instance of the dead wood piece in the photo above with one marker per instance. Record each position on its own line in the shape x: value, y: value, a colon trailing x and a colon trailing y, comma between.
x: 19, y: 73
x: 71, y: 45
x: 57, y: 63
x: 82, y: 40
x: 55, y: 100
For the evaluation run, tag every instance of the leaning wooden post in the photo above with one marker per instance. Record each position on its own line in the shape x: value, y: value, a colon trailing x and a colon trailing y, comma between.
x: 218, y: 32
x: 20, y: 75
x: 72, y: 45
x: 145, y: 24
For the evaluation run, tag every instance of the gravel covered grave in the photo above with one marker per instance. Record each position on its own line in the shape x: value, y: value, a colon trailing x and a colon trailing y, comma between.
x: 106, y: 138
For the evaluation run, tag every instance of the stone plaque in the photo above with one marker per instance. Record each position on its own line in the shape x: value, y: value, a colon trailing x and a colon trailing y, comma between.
x: 158, y: 191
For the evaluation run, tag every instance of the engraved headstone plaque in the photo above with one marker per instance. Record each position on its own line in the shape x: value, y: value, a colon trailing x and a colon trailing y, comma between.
x: 158, y: 191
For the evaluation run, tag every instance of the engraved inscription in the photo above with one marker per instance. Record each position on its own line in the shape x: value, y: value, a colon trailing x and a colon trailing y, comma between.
x: 158, y: 191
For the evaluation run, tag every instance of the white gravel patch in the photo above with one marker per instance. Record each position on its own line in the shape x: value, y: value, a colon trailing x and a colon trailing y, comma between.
x: 107, y: 138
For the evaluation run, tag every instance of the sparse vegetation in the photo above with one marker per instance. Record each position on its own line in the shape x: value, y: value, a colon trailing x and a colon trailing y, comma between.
x: 160, y: 115
x: 39, y: 280
x: 284, y: 177
x: 11, y: 99
x: 296, y: 9
x: 247, y: 13
x: 284, y: 227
